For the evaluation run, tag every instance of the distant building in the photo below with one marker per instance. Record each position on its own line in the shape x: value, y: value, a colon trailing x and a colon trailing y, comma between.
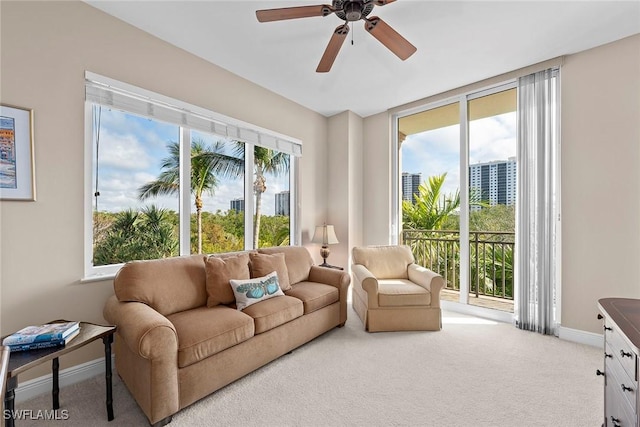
x: 282, y: 203
x: 237, y: 205
x: 495, y: 180
x: 410, y: 184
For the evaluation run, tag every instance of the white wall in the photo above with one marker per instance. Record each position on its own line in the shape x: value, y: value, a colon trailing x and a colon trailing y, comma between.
x: 45, y: 49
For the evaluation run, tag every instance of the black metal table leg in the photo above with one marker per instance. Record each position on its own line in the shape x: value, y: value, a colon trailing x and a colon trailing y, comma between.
x: 107, y: 373
x: 55, y: 367
x: 9, y: 401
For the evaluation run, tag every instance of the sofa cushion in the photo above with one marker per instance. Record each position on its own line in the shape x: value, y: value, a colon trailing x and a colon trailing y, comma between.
x: 203, y: 332
x: 314, y: 296
x: 263, y: 264
x: 249, y: 292
x: 271, y: 313
x: 298, y: 261
x: 384, y: 262
x: 402, y: 293
x: 167, y: 285
x: 219, y: 271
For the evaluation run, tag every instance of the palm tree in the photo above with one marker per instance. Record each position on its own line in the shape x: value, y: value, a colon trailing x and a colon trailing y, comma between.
x: 203, y: 177
x: 265, y: 161
x: 431, y: 207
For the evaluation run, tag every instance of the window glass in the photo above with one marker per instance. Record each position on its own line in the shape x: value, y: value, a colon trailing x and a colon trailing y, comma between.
x: 272, y: 201
x: 135, y: 187
x: 217, y: 180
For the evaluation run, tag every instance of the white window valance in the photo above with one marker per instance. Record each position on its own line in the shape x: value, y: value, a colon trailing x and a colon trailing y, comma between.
x: 122, y: 96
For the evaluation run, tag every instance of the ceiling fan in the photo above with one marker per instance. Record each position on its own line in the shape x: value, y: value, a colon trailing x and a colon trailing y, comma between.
x: 349, y: 11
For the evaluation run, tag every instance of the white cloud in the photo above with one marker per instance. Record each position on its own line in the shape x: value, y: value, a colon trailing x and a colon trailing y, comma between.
x: 438, y: 151
x: 123, y: 152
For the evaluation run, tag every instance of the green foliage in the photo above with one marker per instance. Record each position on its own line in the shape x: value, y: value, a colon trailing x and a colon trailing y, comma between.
x: 132, y: 235
x: 274, y: 231
x: 493, y: 218
x: 426, y: 223
x: 431, y: 206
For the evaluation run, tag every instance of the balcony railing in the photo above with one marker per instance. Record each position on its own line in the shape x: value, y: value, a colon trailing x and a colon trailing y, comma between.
x: 490, y: 263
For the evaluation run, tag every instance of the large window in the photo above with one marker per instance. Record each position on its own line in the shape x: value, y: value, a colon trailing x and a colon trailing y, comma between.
x: 164, y: 178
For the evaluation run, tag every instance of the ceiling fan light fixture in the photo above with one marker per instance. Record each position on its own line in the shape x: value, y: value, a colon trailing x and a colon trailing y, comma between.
x: 349, y: 11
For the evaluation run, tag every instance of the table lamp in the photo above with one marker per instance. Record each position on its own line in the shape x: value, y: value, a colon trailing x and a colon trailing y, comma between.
x: 326, y: 235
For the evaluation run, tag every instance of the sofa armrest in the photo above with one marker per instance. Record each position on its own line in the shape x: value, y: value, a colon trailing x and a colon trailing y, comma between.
x: 366, y: 281
x: 146, y: 332
x: 329, y: 276
x: 338, y: 278
x: 430, y: 280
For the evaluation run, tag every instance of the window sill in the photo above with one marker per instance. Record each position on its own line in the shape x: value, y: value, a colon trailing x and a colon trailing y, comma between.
x: 98, y: 278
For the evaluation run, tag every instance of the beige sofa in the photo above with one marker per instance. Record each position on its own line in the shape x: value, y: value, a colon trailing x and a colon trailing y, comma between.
x: 174, y: 346
x: 392, y: 293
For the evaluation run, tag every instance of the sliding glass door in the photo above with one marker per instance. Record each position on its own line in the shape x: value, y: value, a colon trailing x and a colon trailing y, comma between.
x: 457, y: 165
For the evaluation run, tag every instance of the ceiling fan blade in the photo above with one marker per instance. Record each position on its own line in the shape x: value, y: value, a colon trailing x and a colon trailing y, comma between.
x: 383, y: 2
x: 389, y: 37
x: 268, y: 15
x: 331, y: 52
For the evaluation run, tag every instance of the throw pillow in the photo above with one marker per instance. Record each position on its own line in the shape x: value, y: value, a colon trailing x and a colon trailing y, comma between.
x: 218, y: 273
x: 248, y: 292
x: 263, y: 264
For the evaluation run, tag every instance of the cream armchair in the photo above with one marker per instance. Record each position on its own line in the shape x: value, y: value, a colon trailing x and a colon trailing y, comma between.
x: 392, y: 293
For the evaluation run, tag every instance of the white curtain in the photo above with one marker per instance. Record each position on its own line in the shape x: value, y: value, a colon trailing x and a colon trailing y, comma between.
x: 537, y: 207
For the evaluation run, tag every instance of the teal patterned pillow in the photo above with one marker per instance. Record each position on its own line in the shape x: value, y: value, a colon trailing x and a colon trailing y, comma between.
x: 251, y: 291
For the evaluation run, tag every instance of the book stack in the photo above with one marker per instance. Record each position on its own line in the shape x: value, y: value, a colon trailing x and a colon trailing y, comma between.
x: 42, y: 336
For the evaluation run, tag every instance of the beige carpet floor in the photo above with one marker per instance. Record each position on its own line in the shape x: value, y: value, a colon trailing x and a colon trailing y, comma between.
x: 472, y: 373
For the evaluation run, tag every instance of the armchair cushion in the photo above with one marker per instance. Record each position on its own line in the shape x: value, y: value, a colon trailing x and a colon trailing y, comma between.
x: 402, y: 293
x: 384, y: 262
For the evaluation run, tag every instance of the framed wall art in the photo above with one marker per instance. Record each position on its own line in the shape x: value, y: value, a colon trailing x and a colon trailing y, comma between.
x: 17, y: 170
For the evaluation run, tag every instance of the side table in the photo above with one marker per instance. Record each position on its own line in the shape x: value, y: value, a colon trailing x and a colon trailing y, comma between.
x: 22, y: 361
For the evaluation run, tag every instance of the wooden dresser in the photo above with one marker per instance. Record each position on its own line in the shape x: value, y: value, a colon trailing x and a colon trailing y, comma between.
x: 621, y: 359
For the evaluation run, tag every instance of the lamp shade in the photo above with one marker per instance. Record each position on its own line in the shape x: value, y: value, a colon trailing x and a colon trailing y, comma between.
x: 325, y: 234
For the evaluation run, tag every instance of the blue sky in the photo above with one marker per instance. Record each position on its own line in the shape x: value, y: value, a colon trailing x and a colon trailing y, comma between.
x: 437, y: 151
x: 131, y: 152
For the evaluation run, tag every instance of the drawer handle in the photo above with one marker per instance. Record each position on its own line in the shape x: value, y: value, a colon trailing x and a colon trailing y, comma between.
x: 606, y: 328
x: 599, y: 372
x: 615, y: 421
x: 623, y: 354
x: 625, y: 388
x: 608, y: 355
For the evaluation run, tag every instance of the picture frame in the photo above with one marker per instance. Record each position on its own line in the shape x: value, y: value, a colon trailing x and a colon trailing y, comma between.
x: 17, y: 169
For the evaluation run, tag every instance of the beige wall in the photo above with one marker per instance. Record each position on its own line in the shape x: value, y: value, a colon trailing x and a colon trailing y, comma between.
x: 600, y: 176
x: 600, y: 179
x: 344, y: 182
x: 45, y: 49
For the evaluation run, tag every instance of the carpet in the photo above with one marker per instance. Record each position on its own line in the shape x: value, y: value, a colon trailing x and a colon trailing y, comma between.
x: 474, y: 372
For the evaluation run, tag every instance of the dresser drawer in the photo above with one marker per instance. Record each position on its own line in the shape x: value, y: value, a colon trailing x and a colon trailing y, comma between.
x: 619, y: 381
x: 621, y: 350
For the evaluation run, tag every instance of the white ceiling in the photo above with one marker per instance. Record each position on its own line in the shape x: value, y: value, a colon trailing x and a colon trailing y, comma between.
x: 459, y: 42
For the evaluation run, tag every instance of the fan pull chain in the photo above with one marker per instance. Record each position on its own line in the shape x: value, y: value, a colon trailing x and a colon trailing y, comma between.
x: 351, y: 33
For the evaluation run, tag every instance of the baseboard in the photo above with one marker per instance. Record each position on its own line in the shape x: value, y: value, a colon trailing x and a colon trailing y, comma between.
x: 72, y: 375
x: 472, y: 310
x: 581, y: 337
